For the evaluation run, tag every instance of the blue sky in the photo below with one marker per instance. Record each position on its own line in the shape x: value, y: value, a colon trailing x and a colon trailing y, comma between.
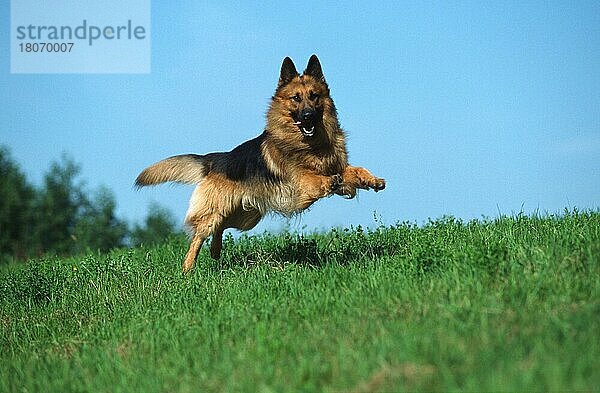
x: 467, y: 109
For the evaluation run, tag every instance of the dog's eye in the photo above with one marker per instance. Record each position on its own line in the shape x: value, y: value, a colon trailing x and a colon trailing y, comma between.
x: 296, y: 98
x: 313, y: 96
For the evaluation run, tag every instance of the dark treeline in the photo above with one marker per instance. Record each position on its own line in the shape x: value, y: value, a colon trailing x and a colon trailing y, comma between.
x: 62, y: 217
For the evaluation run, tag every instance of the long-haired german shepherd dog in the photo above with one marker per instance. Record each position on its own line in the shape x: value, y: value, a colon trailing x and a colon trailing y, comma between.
x: 299, y: 158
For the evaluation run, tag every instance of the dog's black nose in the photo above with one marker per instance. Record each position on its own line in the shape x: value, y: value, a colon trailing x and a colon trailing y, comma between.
x: 307, y: 114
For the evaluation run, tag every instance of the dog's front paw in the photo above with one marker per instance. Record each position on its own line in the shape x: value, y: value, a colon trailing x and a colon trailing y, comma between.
x: 377, y: 184
x: 336, y: 183
x: 347, y: 191
x: 340, y: 188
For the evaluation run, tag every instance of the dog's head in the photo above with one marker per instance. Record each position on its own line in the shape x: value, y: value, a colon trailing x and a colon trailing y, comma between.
x: 302, y: 102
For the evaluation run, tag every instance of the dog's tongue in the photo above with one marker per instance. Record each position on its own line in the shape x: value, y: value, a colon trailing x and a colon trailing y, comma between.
x: 307, y: 128
x: 308, y: 131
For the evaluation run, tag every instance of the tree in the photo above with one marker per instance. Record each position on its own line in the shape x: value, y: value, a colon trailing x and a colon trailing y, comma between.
x: 98, y: 228
x: 159, y: 225
x: 58, y: 206
x: 61, y: 218
x: 16, y: 199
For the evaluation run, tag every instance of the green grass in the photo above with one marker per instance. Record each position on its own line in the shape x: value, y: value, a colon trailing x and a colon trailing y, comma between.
x: 503, y: 305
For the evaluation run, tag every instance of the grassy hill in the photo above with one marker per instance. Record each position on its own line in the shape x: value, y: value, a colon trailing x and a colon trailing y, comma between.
x: 506, y: 304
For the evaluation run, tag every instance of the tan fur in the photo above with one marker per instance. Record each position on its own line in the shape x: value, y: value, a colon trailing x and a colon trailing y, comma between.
x: 299, y: 169
x: 183, y: 169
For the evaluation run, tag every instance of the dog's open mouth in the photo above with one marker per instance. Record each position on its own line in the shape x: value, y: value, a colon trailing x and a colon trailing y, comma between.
x: 307, y: 128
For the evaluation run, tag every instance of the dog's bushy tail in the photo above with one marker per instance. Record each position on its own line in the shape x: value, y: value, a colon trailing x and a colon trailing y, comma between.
x: 186, y: 168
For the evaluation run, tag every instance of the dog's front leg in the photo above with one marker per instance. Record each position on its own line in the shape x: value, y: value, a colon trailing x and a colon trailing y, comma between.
x: 312, y: 187
x: 356, y: 177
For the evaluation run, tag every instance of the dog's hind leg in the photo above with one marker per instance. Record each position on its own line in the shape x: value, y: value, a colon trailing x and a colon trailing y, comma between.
x: 203, y: 228
x: 192, y: 254
x: 216, y: 243
x: 190, y: 257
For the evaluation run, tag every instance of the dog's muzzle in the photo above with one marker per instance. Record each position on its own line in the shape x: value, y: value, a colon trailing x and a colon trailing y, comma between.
x: 306, y: 123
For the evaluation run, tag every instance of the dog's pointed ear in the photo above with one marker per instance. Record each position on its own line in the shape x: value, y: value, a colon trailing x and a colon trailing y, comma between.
x: 314, y: 68
x: 288, y: 72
